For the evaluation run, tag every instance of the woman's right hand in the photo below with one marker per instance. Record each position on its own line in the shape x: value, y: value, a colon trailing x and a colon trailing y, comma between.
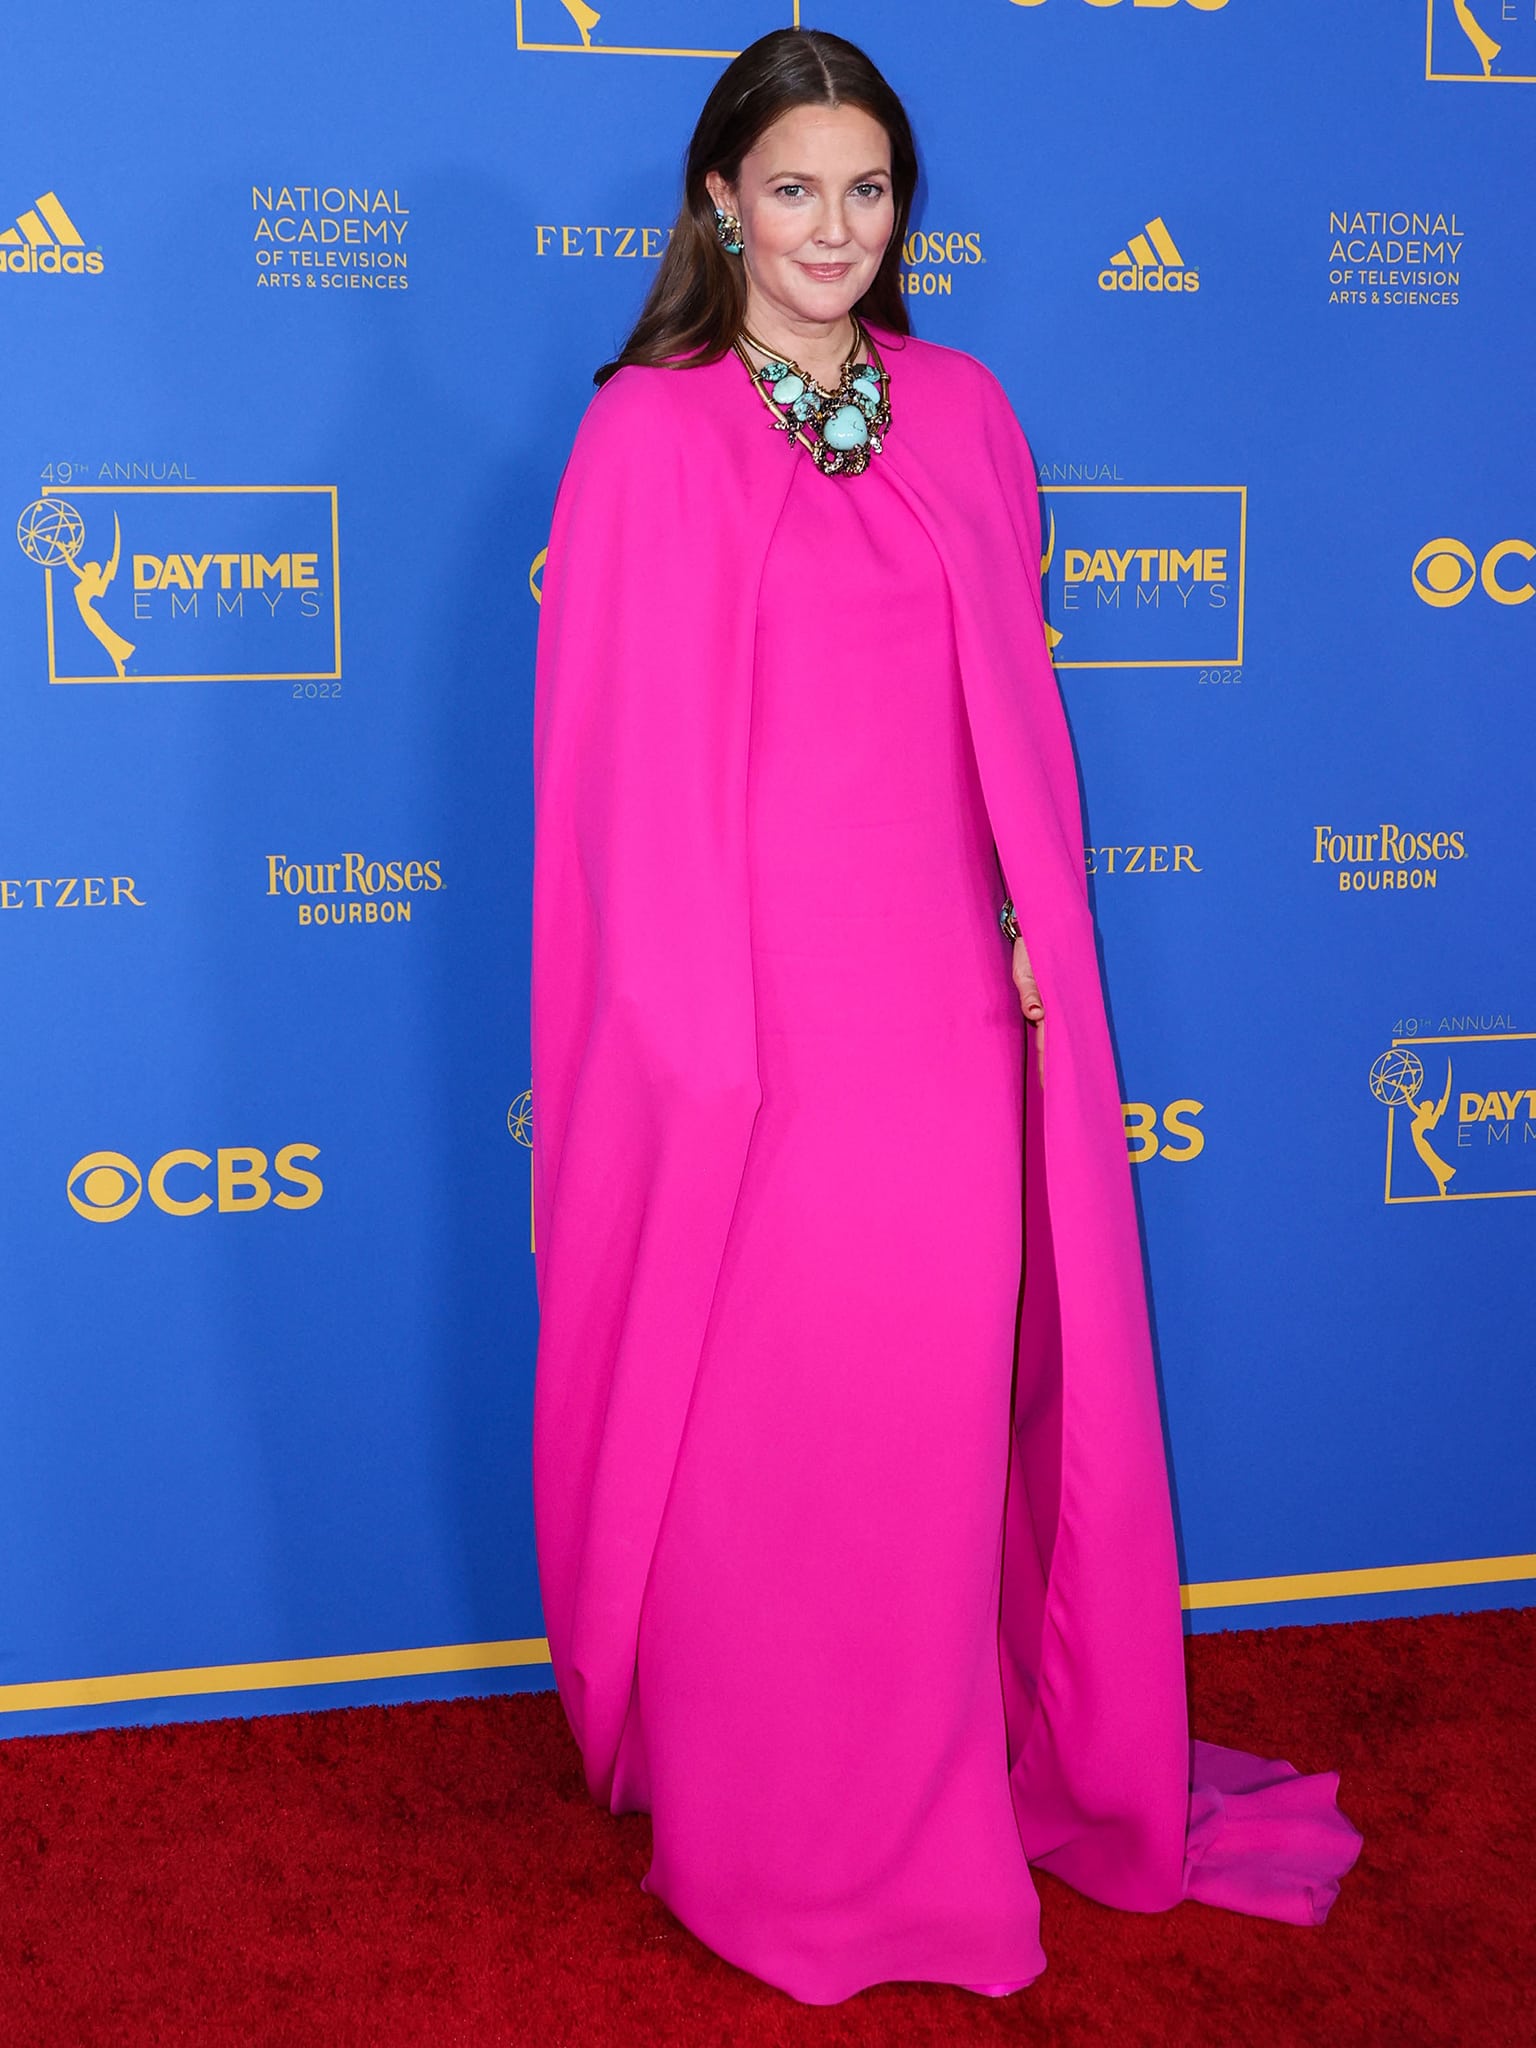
x: 1029, y: 1001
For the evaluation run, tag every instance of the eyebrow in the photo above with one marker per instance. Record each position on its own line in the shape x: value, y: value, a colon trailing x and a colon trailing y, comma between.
x: 809, y: 178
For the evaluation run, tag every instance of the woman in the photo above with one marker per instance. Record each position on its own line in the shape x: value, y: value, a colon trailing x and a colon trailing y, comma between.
x: 853, y: 1519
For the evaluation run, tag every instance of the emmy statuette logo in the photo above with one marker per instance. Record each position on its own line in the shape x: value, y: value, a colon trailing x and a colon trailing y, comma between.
x: 648, y: 28
x: 520, y: 1125
x: 1397, y: 1079
x: 1461, y: 1107
x: 1480, y: 42
x: 201, y: 583
x: 51, y: 532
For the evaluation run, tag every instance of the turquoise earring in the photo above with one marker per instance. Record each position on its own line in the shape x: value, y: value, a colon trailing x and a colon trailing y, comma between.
x: 728, y: 228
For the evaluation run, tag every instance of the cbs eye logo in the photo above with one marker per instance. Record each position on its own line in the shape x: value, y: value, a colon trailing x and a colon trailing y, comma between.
x: 103, y: 1187
x: 1445, y: 570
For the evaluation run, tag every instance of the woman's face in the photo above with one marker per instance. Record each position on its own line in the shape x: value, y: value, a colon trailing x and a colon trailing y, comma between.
x: 816, y: 211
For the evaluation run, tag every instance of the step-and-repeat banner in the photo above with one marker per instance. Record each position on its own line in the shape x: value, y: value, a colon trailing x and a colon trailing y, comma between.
x: 299, y: 308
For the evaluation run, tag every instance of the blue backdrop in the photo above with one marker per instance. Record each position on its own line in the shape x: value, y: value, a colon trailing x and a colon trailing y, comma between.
x: 298, y: 313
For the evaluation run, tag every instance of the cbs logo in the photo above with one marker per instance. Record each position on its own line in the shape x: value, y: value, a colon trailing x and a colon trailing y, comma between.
x: 1202, y: 6
x: 103, y: 1187
x: 1444, y: 572
x: 1142, y: 1136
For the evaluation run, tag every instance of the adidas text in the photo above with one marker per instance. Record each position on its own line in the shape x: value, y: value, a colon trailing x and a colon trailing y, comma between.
x: 58, y: 262
x: 1149, y: 280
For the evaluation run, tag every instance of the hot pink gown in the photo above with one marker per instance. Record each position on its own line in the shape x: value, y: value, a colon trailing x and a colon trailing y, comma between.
x: 865, y: 1651
x: 834, y: 1526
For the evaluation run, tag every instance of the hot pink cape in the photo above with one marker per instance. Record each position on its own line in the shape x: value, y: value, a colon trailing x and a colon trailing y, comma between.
x: 645, y: 1090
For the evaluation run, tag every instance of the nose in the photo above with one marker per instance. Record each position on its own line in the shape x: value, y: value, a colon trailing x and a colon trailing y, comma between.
x: 832, y: 230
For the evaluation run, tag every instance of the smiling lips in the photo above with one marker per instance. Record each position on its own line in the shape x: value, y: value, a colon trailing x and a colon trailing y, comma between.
x: 826, y: 273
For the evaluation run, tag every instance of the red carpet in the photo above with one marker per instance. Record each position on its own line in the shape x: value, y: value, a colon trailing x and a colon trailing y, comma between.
x: 436, y: 1874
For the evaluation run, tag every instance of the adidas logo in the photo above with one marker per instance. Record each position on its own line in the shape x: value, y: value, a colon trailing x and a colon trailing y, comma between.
x: 1149, y: 262
x: 45, y: 241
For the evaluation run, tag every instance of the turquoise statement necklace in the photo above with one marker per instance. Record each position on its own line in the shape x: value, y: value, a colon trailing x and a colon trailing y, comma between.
x: 841, y: 428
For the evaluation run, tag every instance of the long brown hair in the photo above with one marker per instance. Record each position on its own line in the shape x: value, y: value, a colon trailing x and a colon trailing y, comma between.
x: 694, y: 309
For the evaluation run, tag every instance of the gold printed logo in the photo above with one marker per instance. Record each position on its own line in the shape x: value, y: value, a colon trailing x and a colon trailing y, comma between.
x: 1476, y: 1126
x: 930, y: 259
x: 1480, y: 42
x: 46, y: 243
x: 1445, y: 571
x: 1394, y: 256
x: 1167, y: 857
x: 331, y: 237
x: 1144, y: 575
x: 1387, y: 858
x: 1174, y: 1136
x: 1200, y: 6
x: 68, y: 892
x: 214, y: 582
x: 104, y: 1187
x: 1047, y: 557
x: 631, y: 28
x: 1149, y: 262
x: 1397, y: 1079
x: 520, y: 1124
x: 352, y: 890
x: 604, y: 240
